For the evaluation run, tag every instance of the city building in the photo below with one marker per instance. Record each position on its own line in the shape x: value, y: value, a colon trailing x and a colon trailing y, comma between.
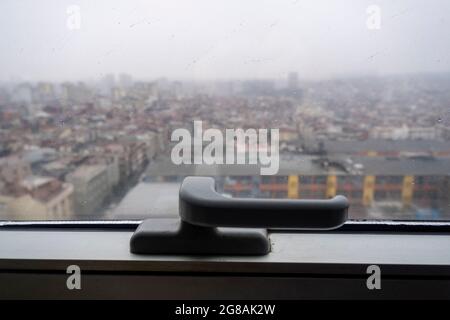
x: 91, y: 189
x: 39, y: 198
x: 414, y: 184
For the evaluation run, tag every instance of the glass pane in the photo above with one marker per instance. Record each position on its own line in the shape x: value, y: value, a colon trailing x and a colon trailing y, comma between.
x: 106, y: 105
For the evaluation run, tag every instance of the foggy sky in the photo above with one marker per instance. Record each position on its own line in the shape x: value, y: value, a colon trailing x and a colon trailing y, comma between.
x: 227, y: 39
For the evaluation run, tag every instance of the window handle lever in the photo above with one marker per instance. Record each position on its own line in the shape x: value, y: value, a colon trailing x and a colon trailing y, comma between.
x: 211, y: 223
x: 201, y: 205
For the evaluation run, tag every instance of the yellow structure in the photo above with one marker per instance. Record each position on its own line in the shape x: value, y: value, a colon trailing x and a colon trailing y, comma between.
x: 369, y: 190
x: 331, y: 186
x: 407, y: 190
x: 293, y: 192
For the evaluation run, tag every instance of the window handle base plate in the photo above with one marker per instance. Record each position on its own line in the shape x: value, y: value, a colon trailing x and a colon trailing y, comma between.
x: 174, y: 236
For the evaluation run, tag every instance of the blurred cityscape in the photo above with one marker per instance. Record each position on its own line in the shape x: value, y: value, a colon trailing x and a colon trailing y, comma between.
x: 101, y: 150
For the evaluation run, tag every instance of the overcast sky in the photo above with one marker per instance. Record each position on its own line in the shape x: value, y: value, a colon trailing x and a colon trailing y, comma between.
x: 208, y: 39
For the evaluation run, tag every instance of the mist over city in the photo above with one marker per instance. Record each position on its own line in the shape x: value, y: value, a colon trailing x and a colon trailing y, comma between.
x: 206, y: 40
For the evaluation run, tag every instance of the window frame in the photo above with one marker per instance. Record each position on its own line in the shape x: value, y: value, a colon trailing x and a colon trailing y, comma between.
x: 439, y: 226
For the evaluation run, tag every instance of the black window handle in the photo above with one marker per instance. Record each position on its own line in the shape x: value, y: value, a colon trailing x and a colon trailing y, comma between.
x: 201, y: 205
x: 214, y: 224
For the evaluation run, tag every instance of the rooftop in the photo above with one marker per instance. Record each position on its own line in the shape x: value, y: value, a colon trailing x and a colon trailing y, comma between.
x: 155, y: 199
x: 404, y: 166
x: 312, y: 165
x: 386, y: 145
x: 32, y: 182
x: 87, y: 171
